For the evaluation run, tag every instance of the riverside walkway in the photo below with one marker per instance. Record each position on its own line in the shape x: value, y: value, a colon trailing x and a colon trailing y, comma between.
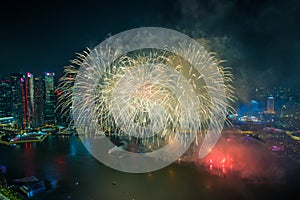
x: 40, y: 137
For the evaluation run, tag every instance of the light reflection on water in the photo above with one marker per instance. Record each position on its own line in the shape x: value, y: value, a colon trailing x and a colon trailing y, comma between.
x: 73, y: 173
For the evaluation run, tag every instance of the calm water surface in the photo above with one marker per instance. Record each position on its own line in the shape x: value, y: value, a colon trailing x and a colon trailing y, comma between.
x: 70, y: 172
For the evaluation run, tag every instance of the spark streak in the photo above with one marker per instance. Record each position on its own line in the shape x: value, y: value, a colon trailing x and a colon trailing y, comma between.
x: 155, y: 95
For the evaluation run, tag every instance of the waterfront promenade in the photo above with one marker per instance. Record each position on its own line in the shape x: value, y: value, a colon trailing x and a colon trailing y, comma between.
x: 25, y: 138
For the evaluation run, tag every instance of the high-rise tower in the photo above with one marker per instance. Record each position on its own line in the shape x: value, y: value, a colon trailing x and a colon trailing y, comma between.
x: 16, y: 81
x: 49, y: 98
x: 5, y: 99
x: 38, y: 114
x: 270, y: 105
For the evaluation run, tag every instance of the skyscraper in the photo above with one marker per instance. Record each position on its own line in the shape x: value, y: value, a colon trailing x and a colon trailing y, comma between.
x: 270, y: 105
x: 49, y: 98
x: 38, y: 114
x: 16, y: 81
x: 28, y: 100
x: 32, y: 100
x: 5, y: 99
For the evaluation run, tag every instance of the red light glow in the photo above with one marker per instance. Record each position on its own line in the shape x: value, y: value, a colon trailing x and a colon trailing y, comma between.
x: 233, y: 155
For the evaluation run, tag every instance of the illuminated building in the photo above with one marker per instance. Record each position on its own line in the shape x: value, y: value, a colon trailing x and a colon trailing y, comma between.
x: 49, y: 106
x: 270, y: 105
x: 5, y: 99
x: 38, y: 114
x: 28, y: 100
x: 16, y: 81
x: 33, y: 100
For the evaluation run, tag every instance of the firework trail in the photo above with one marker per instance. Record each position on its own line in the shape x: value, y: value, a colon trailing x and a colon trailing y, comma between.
x: 155, y: 97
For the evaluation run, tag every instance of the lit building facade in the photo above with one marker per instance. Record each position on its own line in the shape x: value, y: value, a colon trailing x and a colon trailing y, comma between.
x: 16, y: 83
x: 50, y: 105
x: 27, y: 88
x: 270, y: 105
x: 5, y: 99
x: 38, y: 114
x: 32, y: 100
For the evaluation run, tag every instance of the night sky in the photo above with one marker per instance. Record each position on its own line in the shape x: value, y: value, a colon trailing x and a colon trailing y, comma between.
x: 259, y: 39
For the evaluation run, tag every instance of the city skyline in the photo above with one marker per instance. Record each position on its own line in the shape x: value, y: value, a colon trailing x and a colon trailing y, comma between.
x: 278, y: 103
x: 28, y: 99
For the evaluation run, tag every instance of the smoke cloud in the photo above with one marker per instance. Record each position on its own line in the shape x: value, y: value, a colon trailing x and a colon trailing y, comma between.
x: 240, y: 156
x: 258, y: 39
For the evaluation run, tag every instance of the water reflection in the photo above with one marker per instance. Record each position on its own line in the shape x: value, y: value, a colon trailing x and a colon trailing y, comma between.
x: 70, y: 172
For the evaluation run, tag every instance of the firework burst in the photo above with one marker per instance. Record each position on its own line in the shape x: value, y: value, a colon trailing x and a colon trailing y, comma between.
x: 153, y: 96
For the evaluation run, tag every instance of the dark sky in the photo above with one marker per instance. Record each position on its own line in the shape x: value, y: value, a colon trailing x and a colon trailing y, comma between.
x: 260, y: 39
